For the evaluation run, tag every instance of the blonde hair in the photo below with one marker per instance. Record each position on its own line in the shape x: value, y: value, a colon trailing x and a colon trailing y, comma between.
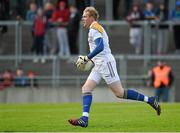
x: 92, y: 12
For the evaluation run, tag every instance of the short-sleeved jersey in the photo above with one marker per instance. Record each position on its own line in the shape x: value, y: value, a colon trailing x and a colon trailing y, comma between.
x: 97, y: 31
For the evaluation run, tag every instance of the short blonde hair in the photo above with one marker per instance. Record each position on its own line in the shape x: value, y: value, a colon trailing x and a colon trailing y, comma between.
x: 92, y: 12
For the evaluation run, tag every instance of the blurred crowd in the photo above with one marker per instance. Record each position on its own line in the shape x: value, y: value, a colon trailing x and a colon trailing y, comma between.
x: 155, y: 14
x: 17, y: 79
x: 56, y: 23
x: 55, y: 28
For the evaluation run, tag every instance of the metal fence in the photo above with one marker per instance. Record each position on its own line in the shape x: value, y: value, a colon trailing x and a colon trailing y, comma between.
x: 62, y: 71
x: 146, y: 27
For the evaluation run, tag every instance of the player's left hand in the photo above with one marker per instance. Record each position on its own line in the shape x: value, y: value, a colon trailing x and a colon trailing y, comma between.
x: 84, y: 64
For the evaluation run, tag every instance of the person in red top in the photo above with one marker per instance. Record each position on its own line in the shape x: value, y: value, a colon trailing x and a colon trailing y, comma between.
x: 6, y: 79
x: 39, y: 33
x: 61, y: 18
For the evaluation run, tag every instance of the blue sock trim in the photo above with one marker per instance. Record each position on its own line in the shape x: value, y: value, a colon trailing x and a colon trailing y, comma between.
x: 134, y: 95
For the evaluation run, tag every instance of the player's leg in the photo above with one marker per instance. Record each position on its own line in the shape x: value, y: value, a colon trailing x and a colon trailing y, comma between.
x: 114, y: 84
x: 131, y: 94
x: 87, y: 97
x: 120, y: 92
x: 87, y: 89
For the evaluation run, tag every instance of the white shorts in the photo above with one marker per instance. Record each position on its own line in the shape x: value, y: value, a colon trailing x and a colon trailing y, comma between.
x: 106, y: 70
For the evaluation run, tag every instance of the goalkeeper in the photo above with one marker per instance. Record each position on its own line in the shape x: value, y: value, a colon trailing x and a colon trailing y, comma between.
x: 105, y: 67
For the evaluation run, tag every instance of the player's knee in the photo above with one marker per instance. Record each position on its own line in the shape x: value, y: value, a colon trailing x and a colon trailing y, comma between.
x: 86, y: 89
x: 119, y: 93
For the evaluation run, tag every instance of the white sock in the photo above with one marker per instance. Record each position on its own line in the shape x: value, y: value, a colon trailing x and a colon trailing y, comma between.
x: 146, y: 98
x: 85, y: 114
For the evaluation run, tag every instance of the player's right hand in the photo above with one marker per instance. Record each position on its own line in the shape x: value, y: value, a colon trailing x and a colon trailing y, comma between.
x: 84, y: 64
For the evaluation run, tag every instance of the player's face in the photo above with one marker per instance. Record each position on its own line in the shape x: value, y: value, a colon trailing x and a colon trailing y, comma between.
x: 87, y: 19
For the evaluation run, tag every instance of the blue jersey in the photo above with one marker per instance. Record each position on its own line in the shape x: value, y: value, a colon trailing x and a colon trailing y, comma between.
x: 151, y: 13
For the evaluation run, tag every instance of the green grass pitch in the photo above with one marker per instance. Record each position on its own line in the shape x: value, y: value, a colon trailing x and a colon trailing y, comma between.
x: 104, y: 117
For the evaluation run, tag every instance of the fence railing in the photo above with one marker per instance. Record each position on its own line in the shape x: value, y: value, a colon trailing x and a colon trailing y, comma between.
x: 146, y: 26
x: 56, y: 67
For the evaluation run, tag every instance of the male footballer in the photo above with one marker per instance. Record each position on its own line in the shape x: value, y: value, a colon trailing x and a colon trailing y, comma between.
x: 105, y: 67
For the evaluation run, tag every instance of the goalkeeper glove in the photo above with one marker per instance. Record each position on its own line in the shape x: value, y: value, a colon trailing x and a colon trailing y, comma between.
x: 84, y: 64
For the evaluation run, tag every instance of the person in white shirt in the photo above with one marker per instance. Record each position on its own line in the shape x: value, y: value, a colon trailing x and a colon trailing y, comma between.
x: 105, y: 67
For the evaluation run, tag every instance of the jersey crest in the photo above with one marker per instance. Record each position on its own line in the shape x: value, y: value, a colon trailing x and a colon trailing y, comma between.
x: 97, y: 27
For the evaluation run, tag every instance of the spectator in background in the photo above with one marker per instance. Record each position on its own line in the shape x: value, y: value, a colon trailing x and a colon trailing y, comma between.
x: 20, y: 80
x: 66, y: 1
x: 73, y: 29
x: 135, y: 33
x: 39, y: 34
x: 4, y: 14
x: 162, y: 39
x: 61, y: 17
x: 32, y: 79
x: 150, y: 16
x: 50, y: 38
x: 6, y: 79
x: 149, y: 12
x: 48, y: 10
x: 30, y: 15
x: 175, y: 17
x: 161, y: 78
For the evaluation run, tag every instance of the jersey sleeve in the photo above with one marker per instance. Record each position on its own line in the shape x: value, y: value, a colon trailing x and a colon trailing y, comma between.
x: 99, y: 47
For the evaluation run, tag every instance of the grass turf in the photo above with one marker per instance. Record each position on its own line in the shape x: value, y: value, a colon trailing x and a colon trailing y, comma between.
x: 112, y: 117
